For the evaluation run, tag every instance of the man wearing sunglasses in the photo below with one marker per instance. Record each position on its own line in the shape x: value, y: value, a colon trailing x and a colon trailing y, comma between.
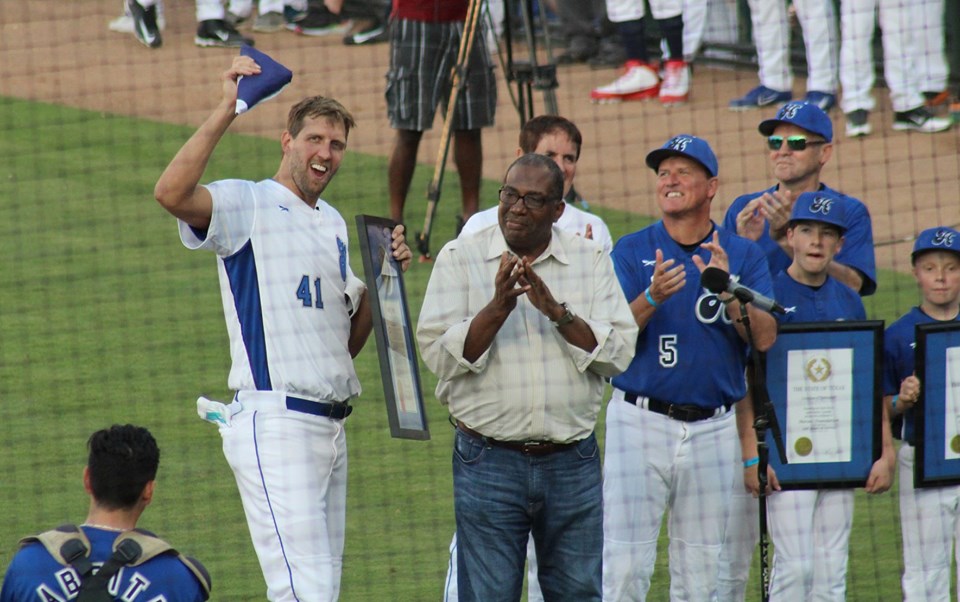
x: 799, y: 144
x: 522, y: 324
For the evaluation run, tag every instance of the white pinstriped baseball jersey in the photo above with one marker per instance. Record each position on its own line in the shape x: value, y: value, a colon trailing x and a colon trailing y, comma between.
x: 284, y: 278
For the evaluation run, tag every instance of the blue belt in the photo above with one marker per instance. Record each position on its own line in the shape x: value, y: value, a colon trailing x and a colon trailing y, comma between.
x: 336, y: 410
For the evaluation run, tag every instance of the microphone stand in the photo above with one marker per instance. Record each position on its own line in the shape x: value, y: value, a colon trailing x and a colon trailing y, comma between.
x: 764, y: 419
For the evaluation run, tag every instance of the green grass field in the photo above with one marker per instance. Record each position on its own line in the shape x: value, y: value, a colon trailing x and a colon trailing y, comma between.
x: 105, y: 318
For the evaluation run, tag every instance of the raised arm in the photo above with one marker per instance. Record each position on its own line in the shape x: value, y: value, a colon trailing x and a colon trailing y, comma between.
x: 178, y: 190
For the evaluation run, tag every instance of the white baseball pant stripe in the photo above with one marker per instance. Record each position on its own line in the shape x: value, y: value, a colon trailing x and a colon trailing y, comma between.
x: 930, y: 525
x: 653, y: 462
x: 771, y: 35
x: 810, y: 531
x: 291, y: 470
x: 857, y: 23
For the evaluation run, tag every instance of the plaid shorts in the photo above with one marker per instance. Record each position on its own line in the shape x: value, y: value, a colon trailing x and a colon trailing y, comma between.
x: 422, y: 56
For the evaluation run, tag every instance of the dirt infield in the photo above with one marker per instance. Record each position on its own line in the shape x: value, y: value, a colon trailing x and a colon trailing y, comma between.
x: 62, y: 52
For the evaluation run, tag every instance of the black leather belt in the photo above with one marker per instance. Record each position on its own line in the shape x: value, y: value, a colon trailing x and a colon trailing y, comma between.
x: 527, y: 448
x: 337, y: 410
x: 684, y: 413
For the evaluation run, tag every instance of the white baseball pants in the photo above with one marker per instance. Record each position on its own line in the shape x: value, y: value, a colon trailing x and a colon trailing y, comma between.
x: 930, y: 525
x: 898, y: 23
x: 810, y: 531
x: 654, y: 463
x: 771, y: 35
x: 291, y: 470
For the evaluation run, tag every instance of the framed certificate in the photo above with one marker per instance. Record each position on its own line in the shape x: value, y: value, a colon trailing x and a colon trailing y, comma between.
x: 824, y: 384
x: 937, y: 413
x: 391, y: 327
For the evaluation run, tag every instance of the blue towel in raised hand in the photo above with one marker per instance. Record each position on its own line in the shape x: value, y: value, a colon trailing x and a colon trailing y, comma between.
x: 253, y: 89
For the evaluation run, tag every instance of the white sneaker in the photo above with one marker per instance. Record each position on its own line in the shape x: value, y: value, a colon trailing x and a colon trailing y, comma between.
x: 639, y: 81
x: 675, y: 88
x: 858, y: 124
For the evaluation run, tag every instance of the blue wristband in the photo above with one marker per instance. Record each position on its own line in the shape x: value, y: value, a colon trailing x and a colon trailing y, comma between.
x: 893, y: 402
x: 751, y: 462
x: 649, y: 298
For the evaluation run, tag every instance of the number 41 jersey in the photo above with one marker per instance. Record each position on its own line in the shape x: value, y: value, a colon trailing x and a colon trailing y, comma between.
x: 286, y: 283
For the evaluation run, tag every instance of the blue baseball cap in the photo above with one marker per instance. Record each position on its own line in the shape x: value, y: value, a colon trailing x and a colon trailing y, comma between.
x: 685, y: 145
x: 820, y: 206
x: 803, y: 115
x: 936, y: 239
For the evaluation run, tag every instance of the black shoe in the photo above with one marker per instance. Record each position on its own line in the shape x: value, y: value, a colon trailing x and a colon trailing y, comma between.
x: 217, y: 32
x: 319, y: 22
x: 145, y: 24
x: 920, y: 120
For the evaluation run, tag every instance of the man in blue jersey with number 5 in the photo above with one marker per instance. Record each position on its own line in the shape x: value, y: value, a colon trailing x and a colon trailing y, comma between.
x: 296, y: 316
x: 670, y: 430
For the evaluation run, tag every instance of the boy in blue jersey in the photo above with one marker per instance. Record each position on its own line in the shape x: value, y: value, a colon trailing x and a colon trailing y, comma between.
x: 928, y: 516
x: 810, y: 529
x: 119, y: 478
x: 670, y: 432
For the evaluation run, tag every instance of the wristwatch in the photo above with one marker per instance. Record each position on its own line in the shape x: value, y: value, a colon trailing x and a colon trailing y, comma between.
x: 566, y: 318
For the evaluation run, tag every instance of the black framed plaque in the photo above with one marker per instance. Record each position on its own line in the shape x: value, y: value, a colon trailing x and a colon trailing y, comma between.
x: 391, y: 327
x: 937, y: 413
x: 824, y: 384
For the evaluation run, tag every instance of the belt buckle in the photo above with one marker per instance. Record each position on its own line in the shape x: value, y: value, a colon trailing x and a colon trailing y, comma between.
x: 532, y: 447
x: 670, y: 411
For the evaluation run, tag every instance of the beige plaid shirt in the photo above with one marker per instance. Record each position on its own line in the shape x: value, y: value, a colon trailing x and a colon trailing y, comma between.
x: 530, y: 384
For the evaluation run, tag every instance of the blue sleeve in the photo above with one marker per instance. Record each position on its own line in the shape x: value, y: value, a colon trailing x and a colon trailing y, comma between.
x: 891, y: 380
x: 857, y: 249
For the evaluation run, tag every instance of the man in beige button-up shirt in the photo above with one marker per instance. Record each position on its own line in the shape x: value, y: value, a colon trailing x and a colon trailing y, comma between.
x: 521, y: 323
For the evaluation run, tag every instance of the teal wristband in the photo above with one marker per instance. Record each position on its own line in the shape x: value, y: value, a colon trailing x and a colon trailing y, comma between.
x: 649, y: 298
x: 893, y: 402
x: 751, y: 462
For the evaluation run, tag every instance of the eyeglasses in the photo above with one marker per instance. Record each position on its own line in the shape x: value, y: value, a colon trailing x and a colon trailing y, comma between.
x: 795, y: 143
x: 509, y: 197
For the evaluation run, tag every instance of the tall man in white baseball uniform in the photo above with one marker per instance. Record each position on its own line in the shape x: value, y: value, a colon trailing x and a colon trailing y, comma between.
x: 670, y: 428
x: 296, y: 316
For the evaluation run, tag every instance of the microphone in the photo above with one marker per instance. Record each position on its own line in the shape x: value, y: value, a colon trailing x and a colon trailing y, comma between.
x: 717, y: 281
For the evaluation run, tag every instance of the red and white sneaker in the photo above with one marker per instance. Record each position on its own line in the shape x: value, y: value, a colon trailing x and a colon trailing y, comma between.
x: 675, y: 88
x: 639, y: 81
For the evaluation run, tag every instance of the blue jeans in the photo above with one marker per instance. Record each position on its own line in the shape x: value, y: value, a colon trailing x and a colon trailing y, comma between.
x: 501, y: 496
